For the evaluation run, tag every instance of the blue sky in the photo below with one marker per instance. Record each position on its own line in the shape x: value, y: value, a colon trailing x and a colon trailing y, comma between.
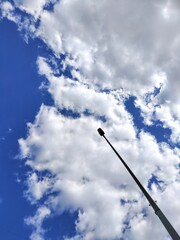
x: 17, y: 91
x: 66, y: 70
x: 20, y: 101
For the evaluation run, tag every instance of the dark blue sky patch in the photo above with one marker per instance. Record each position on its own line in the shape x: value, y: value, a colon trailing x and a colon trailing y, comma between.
x: 46, y: 96
x: 23, y: 17
x: 126, y: 223
x: 19, y: 79
x: 20, y: 97
x: 37, y: 23
x: 87, y: 113
x: 13, y: 207
x: 54, y: 62
x: 161, y: 134
x: 72, y: 114
x: 67, y: 72
x: 154, y: 180
x: 135, y: 112
x: 20, y: 100
x: 69, y: 113
x: 102, y: 118
x: 126, y: 226
x: 144, y: 212
x: 50, y: 5
x: 123, y: 201
x: 61, y: 225
x: 152, y: 94
x: 105, y: 90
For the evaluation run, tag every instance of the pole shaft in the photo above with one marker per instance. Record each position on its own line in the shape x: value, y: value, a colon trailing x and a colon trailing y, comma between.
x: 151, y: 201
x: 172, y: 232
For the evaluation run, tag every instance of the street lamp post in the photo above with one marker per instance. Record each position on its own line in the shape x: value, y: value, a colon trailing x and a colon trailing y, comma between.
x: 172, y: 232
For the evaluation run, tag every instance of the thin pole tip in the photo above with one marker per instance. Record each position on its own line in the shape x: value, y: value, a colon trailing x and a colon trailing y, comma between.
x: 100, y: 131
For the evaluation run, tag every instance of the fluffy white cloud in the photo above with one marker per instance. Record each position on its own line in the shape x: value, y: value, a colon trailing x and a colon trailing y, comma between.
x: 32, y: 7
x: 121, y: 45
x: 112, y: 48
x: 37, y: 187
x: 79, y: 97
x: 7, y: 10
x: 36, y: 222
x: 88, y: 176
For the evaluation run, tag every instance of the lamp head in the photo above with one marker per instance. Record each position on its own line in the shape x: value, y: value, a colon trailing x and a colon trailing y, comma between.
x: 101, y: 132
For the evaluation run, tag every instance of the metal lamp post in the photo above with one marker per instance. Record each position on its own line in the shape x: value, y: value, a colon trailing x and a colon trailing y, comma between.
x: 172, y: 232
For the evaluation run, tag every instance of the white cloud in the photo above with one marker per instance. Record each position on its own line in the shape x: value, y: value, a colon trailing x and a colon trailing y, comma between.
x: 120, y: 51
x: 89, y: 177
x: 7, y: 10
x: 79, y: 97
x: 37, y: 187
x: 102, y: 43
x: 32, y: 7
x: 114, y: 51
x: 157, y: 108
x: 36, y: 222
x: 6, y: 7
